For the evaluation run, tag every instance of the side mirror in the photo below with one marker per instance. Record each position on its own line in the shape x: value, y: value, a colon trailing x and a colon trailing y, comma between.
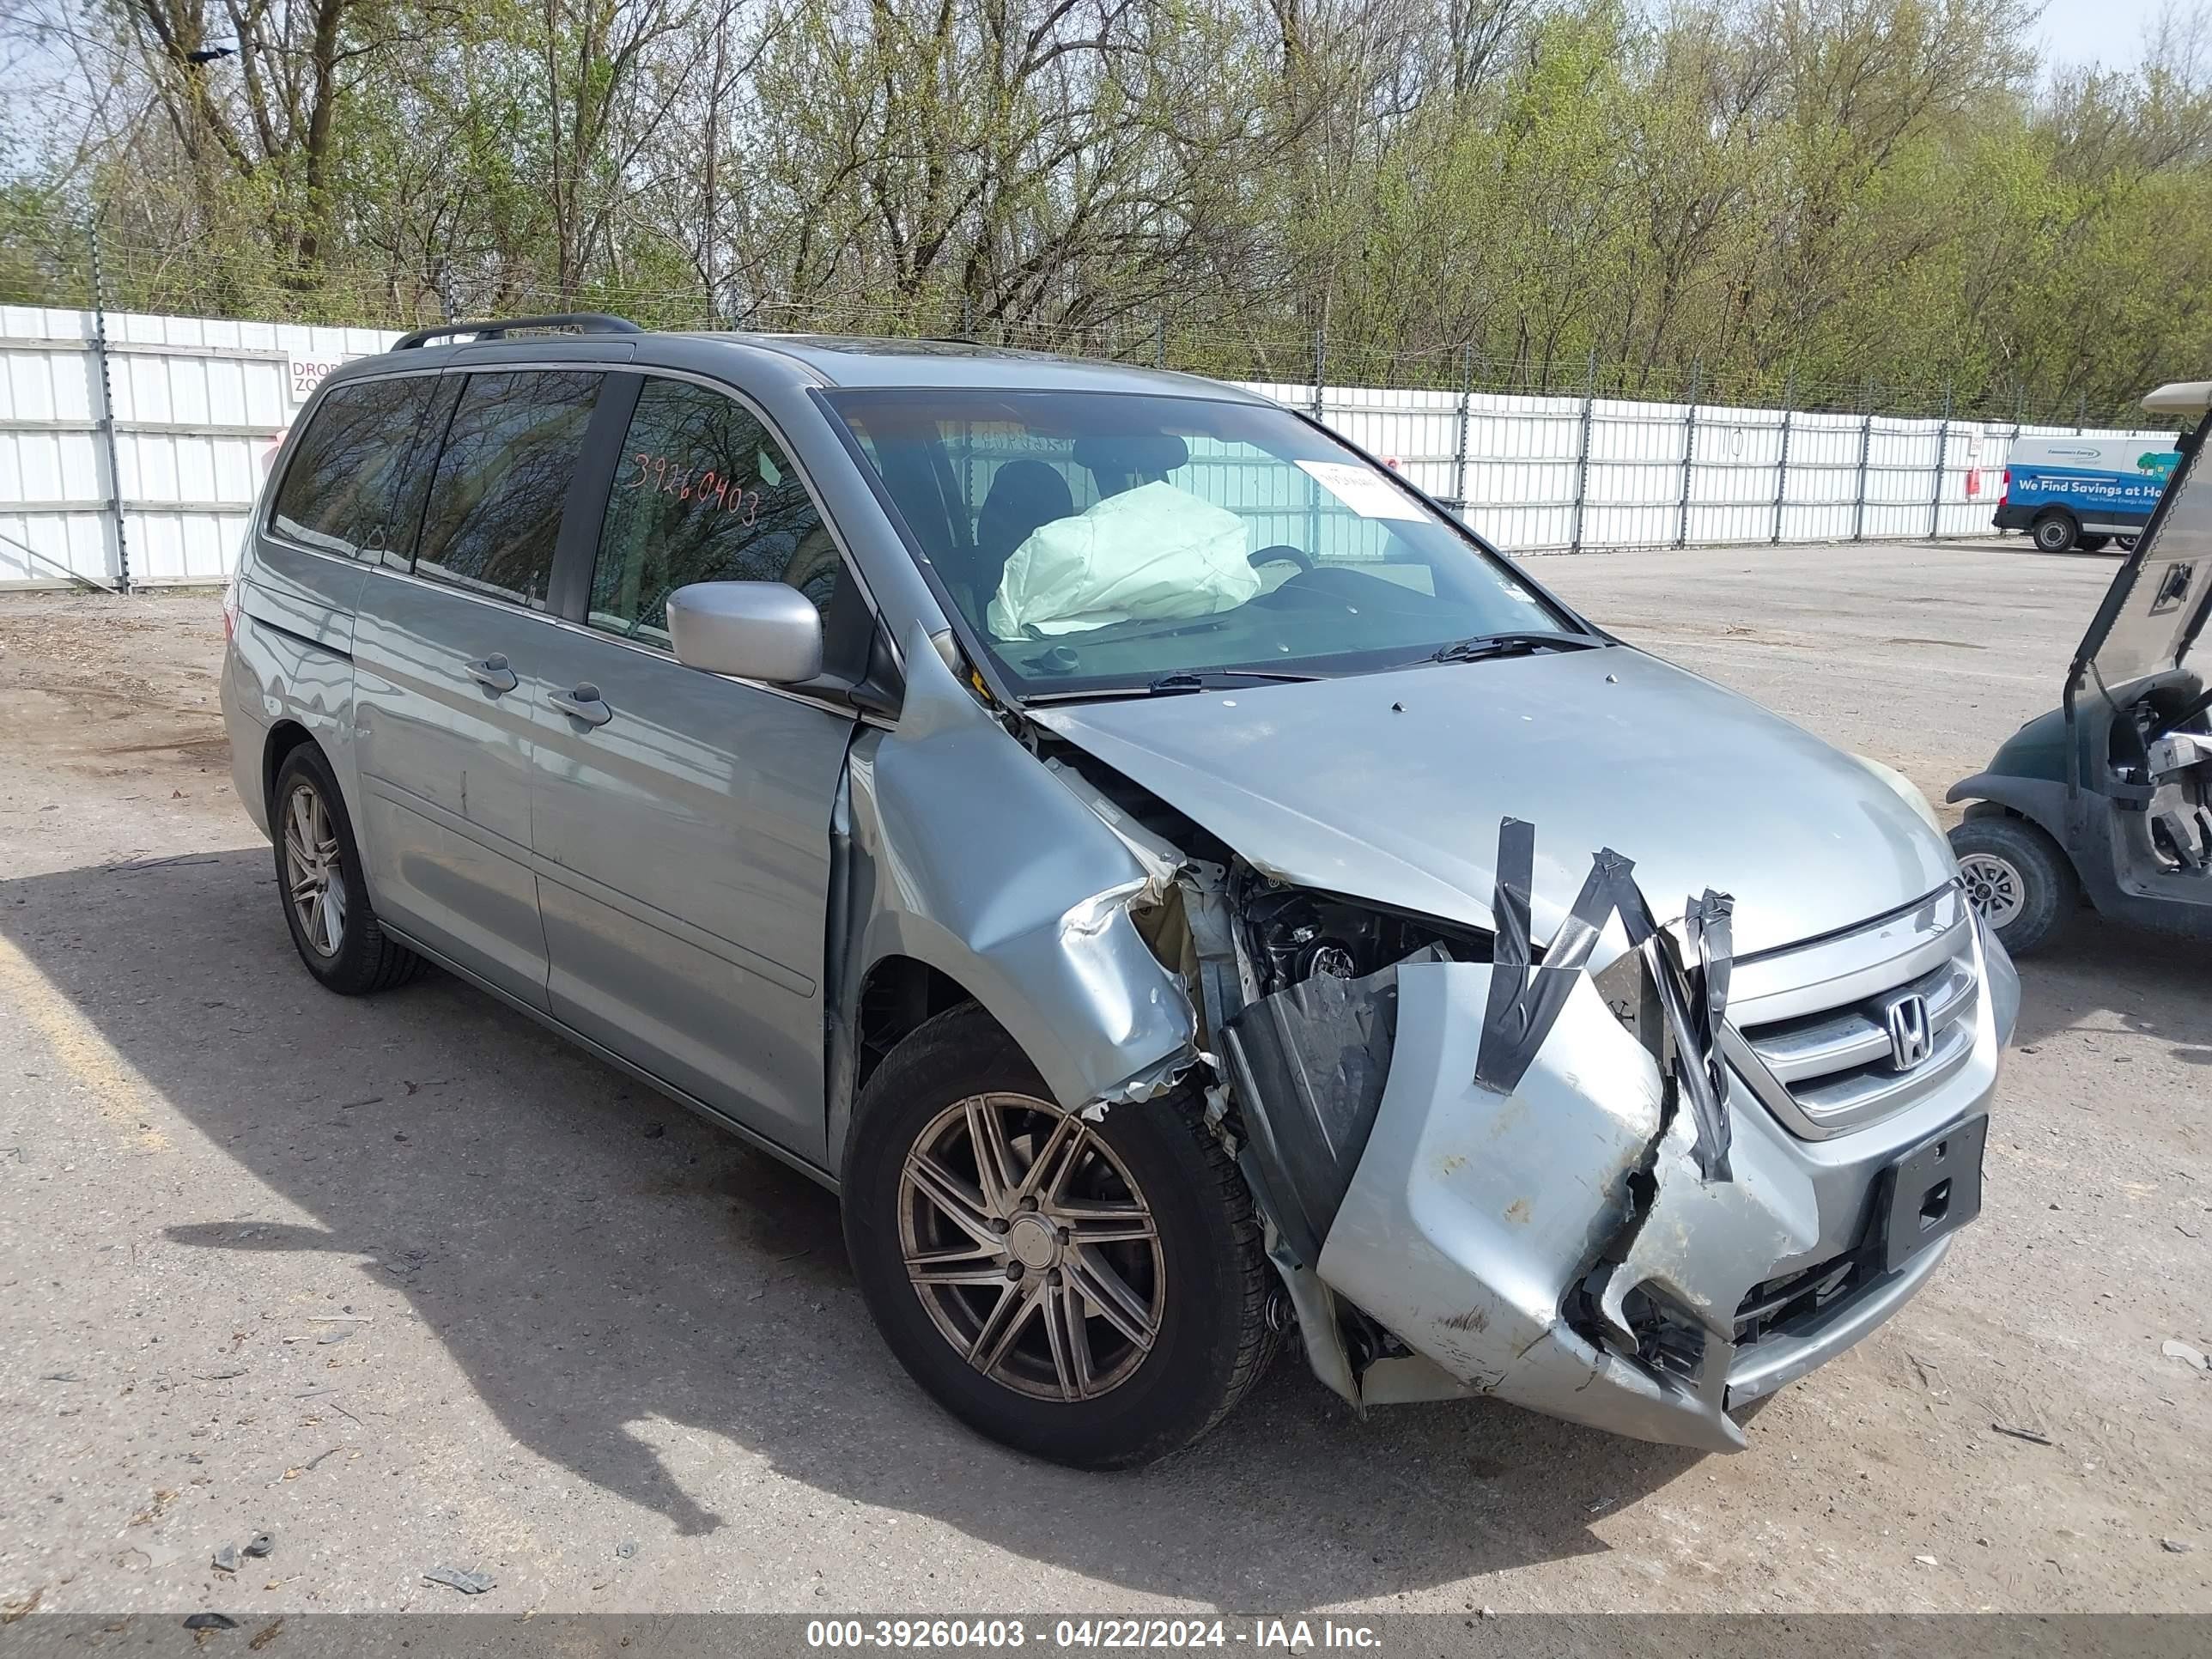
x: 767, y: 631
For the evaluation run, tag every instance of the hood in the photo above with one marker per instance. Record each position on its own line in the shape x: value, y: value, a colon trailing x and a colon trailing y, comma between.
x: 1389, y: 787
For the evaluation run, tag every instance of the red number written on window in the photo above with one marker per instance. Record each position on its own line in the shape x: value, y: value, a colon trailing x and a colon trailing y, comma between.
x: 707, y: 488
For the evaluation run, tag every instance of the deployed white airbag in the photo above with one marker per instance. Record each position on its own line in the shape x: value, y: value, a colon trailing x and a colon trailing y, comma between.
x: 1155, y: 552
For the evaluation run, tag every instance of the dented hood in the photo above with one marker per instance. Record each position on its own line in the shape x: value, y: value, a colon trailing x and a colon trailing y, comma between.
x: 1389, y: 787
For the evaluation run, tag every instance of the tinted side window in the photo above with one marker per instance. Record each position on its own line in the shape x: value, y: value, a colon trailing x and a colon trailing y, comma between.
x: 346, y: 489
x: 702, y: 494
x: 515, y: 442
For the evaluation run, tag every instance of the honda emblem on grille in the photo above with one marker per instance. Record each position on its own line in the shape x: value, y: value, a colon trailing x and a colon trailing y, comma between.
x: 1909, y: 1037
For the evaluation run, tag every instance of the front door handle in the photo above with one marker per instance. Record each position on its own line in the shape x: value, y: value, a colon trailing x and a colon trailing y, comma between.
x: 493, y: 673
x: 584, y: 704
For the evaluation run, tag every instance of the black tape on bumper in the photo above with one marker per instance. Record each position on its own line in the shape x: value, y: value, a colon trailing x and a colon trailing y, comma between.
x: 1691, y: 999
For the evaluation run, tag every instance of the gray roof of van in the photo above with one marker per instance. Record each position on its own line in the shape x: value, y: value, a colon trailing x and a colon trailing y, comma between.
x: 847, y: 361
x: 832, y: 361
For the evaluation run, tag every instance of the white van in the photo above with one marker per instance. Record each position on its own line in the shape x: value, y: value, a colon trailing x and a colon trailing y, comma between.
x: 2083, y: 492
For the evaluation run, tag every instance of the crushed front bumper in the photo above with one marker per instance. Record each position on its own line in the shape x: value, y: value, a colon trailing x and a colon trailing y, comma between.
x: 1559, y: 1247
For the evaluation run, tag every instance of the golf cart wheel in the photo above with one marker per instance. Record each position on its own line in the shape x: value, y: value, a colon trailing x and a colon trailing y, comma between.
x: 2095, y: 544
x: 2056, y: 532
x: 1090, y: 1291
x: 2018, y: 879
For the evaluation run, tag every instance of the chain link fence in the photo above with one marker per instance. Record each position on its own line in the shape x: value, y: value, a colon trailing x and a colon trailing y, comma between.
x: 134, y: 434
x: 88, y: 271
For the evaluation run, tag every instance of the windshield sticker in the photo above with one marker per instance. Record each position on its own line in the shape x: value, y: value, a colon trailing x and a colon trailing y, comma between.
x: 1364, y: 492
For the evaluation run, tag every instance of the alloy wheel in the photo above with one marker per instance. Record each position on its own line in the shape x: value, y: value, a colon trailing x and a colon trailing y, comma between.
x: 1032, y: 1248
x: 314, y: 877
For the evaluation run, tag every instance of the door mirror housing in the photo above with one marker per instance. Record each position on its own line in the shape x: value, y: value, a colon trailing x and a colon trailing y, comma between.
x: 767, y: 631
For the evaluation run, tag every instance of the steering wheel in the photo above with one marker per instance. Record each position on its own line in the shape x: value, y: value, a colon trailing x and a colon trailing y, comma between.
x: 1282, y: 553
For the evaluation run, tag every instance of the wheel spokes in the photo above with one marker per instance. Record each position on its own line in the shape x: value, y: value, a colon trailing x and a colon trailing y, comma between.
x: 1049, y: 1168
x: 954, y: 1199
x: 1032, y: 1246
x: 1105, y: 1224
x: 333, y: 907
x: 1067, y: 1331
x: 1003, y: 1323
x: 994, y: 1155
x: 962, y: 1264
x: 1107, y: 1291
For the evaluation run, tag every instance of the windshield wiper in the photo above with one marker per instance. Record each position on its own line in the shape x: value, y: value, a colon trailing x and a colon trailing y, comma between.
x: 1199, y: 679
x: 1484, y: 646
x: 1169, y: 685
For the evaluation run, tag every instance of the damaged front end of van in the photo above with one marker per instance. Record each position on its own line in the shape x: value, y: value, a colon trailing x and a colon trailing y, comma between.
x: 1533, y: 1194
x: 1522, y: 1121
x: 1492, y: 1170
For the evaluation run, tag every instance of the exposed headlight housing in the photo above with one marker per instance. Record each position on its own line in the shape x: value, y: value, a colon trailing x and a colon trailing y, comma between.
x: 1294, y: 934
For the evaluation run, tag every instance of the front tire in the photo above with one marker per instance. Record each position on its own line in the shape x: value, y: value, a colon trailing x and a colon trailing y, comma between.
x: 1091, y: 1292
x: 319, y: 879
x: 2056, y: 532
x: 2018, y: 879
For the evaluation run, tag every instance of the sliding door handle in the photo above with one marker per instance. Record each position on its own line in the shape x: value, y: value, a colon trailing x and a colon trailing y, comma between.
x: 584, y: 704
x: 493, y: 674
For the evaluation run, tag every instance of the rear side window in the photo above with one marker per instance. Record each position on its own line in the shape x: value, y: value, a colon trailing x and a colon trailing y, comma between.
x: 515, y: 442
x: 702, y: 494
x: 349, y: 488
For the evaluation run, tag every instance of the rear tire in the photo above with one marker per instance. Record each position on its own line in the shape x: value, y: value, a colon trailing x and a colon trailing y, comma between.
x: 2018, y: 880
x: 2055, y: 532
x: 319, y: 882
x: 1005, y: 1332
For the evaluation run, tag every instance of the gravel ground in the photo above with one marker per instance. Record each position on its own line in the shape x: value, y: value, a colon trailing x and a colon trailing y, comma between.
x: 408, y: 1285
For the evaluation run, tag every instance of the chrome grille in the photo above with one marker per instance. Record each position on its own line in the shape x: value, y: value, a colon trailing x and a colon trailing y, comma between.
x: 1820, y: 1051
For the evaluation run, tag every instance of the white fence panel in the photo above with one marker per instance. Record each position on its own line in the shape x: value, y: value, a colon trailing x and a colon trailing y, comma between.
x: 1735, y: 463
x: 1521, y: 468
x: 1416, y: 431
x: 1632, y: 487
x: 198, y: 406
x: 1819, y: 500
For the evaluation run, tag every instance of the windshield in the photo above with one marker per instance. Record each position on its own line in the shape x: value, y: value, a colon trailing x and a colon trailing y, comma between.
x: 2155, y: 609
x: 1099, y: 541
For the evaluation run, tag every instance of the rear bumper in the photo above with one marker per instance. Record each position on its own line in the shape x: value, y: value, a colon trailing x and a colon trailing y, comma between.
x: 249, y: 738
x: 1485, y: 1231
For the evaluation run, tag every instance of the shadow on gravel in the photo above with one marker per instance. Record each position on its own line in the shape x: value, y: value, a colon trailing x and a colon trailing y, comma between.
x: 2100, y: 975
x: 601, y: 1266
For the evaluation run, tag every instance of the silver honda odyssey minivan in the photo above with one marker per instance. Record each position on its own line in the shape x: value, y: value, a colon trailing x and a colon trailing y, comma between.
x: 1178, y: 886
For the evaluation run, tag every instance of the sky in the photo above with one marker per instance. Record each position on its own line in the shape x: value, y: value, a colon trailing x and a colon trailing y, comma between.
x: 2111, y: 31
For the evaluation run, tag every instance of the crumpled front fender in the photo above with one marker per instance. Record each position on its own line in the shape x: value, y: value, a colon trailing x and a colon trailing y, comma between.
x: 954, y: 846
x: 1475, y: 1219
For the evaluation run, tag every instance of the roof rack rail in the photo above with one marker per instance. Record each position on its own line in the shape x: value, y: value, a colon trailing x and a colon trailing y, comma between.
x: 584, y: 322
